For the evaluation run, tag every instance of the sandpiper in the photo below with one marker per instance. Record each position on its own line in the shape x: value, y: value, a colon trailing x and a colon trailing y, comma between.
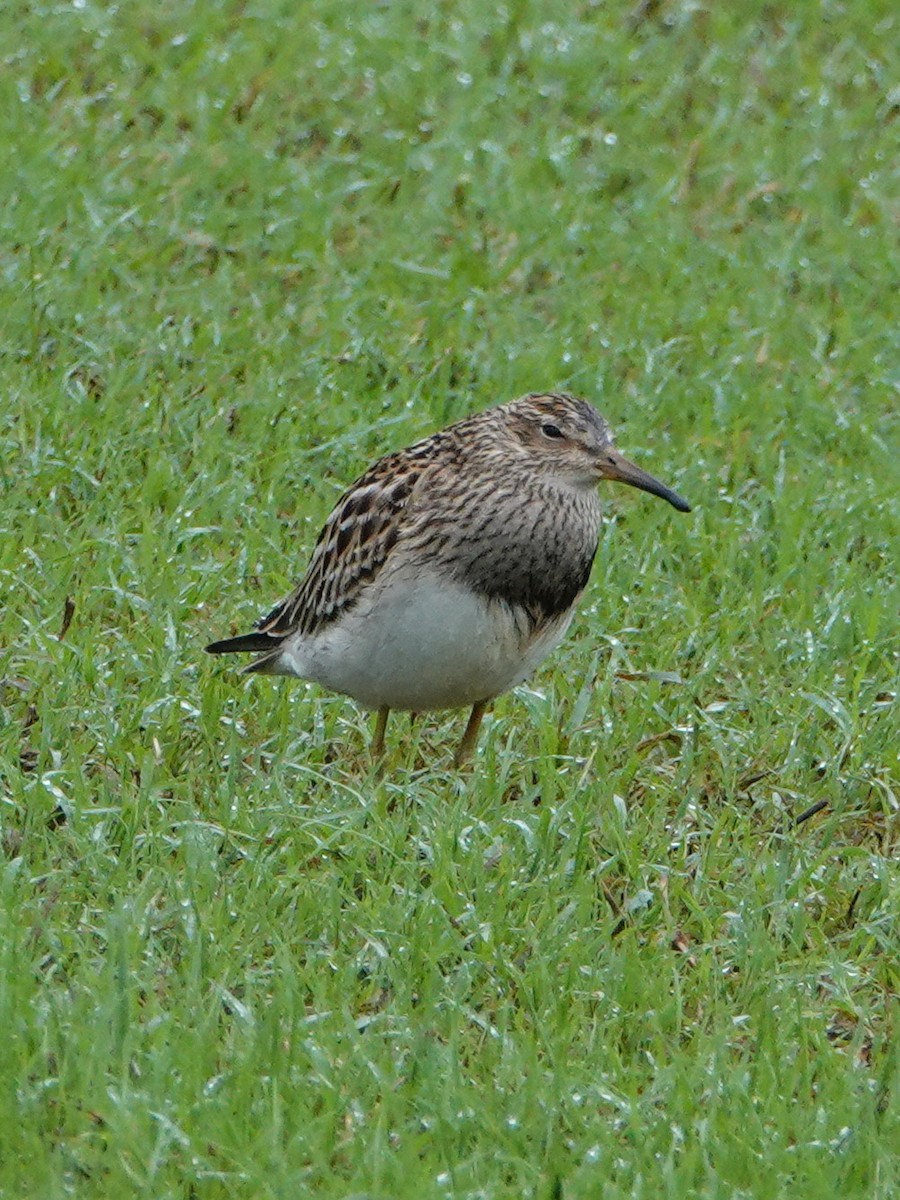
x: 450, y: 569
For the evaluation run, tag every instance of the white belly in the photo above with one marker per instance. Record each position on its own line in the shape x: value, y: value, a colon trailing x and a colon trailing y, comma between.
x: 421, y: 645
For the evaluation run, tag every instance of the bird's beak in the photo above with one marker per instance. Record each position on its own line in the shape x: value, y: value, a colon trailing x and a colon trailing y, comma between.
x: 613, y: 465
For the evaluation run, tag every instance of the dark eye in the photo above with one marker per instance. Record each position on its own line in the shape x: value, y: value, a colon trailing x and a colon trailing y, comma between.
x: 551, y: 431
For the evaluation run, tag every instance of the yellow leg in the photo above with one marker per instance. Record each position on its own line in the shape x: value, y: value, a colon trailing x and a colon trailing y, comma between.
x: 470, y: 737
x: 378, y: 736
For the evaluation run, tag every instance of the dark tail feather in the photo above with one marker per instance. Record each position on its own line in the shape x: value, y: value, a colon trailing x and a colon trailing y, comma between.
x: 255, y: 642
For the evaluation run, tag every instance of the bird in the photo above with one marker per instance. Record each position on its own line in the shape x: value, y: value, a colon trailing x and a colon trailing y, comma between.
x: 449, y: 570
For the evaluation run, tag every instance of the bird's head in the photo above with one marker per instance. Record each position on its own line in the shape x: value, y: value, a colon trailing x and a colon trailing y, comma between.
x: 567, y: 439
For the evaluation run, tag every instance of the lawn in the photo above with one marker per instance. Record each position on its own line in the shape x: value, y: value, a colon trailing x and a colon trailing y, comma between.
x: 647, y: 944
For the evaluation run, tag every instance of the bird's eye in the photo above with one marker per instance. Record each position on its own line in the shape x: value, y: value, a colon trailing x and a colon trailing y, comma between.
x: 551, y: 431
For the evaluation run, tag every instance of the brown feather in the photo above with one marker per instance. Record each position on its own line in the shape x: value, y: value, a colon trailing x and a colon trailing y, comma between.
x: 354, y: 544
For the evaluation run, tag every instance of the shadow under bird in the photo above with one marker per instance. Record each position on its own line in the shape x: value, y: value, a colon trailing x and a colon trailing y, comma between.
x: 451, y: 569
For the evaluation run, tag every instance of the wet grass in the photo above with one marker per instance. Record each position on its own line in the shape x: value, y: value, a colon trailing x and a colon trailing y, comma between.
x: 246, y: 248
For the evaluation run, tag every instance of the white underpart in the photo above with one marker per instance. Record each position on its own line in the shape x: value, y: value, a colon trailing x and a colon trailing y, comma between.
x: 422, y: 644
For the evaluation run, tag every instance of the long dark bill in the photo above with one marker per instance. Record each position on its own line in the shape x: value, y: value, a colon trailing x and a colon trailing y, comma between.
x: 616, y: 466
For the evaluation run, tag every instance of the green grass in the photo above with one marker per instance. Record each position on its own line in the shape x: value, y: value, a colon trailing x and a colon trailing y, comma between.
x: 244, y: 248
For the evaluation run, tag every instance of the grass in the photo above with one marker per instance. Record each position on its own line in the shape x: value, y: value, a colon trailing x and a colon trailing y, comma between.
x: 245, y: 249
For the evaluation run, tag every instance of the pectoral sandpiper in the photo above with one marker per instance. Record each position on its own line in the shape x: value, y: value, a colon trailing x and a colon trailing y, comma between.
x: 449, y: 570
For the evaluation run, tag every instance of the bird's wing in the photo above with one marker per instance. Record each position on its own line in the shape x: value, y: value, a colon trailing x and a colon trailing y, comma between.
x: 354, y: 544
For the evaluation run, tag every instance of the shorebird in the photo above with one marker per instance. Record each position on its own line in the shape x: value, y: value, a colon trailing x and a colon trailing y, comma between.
x: 452, y: 568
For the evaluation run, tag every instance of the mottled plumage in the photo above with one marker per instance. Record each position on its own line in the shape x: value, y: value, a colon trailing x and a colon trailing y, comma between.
x: 449, y: 570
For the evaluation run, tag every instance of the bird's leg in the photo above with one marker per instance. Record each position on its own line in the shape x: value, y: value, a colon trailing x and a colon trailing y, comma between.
x: 378, y: 735
x: 470, y: 737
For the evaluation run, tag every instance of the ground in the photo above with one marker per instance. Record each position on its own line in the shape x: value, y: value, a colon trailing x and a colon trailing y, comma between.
x: 247, y: 247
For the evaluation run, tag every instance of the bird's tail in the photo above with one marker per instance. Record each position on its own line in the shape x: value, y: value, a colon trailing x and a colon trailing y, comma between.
x: 254, y: 643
